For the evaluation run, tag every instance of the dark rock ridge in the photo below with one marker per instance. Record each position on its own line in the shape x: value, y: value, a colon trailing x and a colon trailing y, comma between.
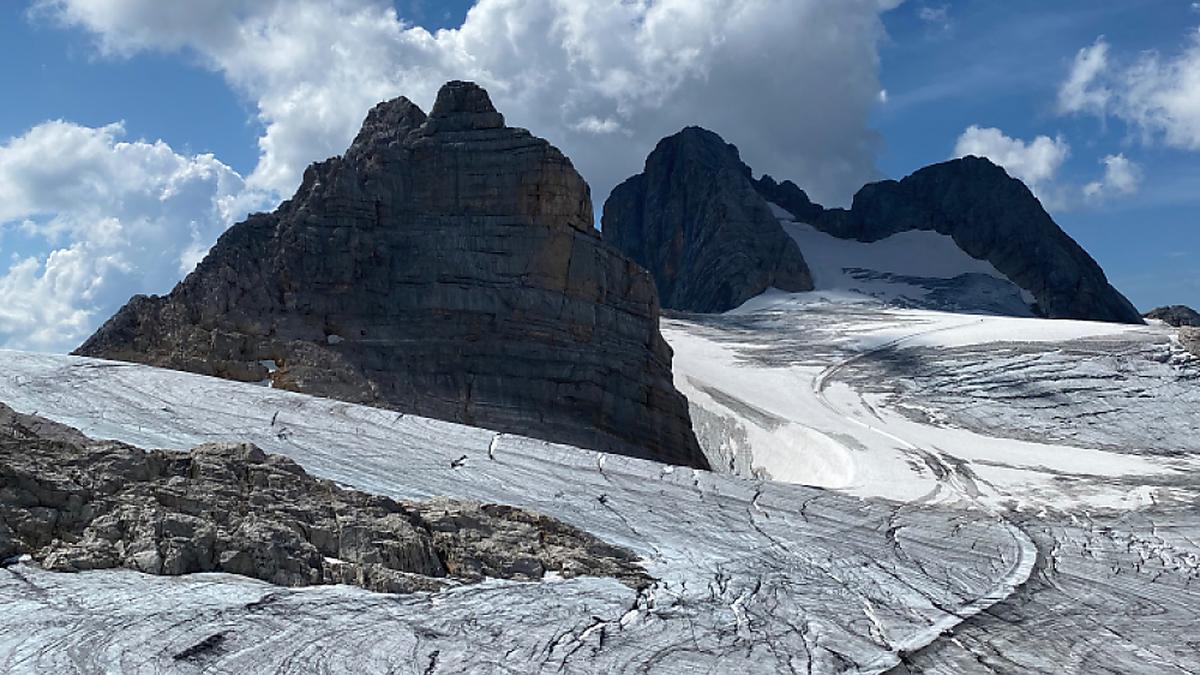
x: 694, y: 219
x: 1175, y: 315
x: 990, y: 215
x: 75, y: 504
x: 446, y: 266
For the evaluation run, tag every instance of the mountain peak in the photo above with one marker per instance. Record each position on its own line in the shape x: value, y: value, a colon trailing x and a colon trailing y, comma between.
x: 464, y: 106
x: 695, y: 221
x: 389, y: 121
x: 697, y: 144
x: 446, y: 266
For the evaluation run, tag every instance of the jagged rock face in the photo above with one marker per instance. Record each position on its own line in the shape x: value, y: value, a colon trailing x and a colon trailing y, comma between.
x: 1175, y: 315
x: 446, y: 266
x: 990, y: 215
x: 695, y: 221
x: 75, y: 504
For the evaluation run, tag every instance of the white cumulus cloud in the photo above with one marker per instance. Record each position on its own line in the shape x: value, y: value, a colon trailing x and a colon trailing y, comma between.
x: 1157, y: 96
x: 573, y: 71
x: 1081, y: 92
x: 113, y: 218
x: 1121, y: 177
x: 1035, y: 162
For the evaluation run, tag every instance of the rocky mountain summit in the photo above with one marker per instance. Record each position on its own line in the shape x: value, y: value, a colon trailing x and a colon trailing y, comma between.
x: 1175, y: 315
x: 712, y: 237
x: 446, y: 265
x: 694, y: 220
x: 990, y: 215
x: 76, y: 504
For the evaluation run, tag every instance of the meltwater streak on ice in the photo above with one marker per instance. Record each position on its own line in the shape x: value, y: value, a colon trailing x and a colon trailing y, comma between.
x: 1021, y: 568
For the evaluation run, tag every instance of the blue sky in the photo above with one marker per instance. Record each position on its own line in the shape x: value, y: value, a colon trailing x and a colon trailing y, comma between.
x: 1000, y: 65
x: 218, y: 108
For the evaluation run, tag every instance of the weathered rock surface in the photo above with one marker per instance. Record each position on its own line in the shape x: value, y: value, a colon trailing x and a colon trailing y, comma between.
x: 1189, y: 337
x: 1175, y: 315
x: 990, y: 215
x: 446, y: 266
x: 75, y: 504
x: 694, y: 219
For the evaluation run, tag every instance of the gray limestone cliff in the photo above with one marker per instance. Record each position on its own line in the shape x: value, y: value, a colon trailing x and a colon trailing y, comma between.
x: 694, y: 219
x: 446, y: 266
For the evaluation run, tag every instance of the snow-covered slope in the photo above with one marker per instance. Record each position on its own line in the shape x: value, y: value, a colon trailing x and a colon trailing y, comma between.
x: 922, y: 269
x: 1082, y: 435
x: 753, y: 576
x: 816, y: 389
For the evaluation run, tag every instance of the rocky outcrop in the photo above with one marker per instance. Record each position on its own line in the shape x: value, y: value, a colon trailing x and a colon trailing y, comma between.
x: 75, y: 504
x: 990, y: 215
x: 446, y: 266
x: 1175, y: 315
x: 1189, y: 337
x: 694, y: 219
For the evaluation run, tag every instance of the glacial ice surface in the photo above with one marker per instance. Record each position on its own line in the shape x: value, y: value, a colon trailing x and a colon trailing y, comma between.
x: 910, y: 490
x: 752, y: 576
x: 1081, y: 435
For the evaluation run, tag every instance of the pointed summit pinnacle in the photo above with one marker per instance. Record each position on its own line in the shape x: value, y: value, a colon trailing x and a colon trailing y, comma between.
x: 463, y: 106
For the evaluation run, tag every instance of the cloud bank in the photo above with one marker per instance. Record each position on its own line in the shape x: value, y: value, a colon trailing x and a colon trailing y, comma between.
x: 117, y: 218
x: 791, y: 81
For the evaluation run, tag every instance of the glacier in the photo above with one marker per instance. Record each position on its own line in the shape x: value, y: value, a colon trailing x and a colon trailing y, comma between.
x: 901, y: 490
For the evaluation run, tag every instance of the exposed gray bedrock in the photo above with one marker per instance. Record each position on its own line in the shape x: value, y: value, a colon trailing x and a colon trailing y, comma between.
x: 74, y: 504
x: 444, y: 265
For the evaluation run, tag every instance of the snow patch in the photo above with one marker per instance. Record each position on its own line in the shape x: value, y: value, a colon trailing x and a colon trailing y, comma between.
x: 913, y: 268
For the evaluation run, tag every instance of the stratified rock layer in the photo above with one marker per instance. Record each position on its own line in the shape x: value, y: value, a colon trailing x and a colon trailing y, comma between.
x: 990, y: 215
x: 446, y: 266
x: 694, y: 219
x: 1175, y: 315
x: 75, y: 504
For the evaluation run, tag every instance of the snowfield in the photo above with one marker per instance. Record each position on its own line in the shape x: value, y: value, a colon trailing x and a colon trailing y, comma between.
x: 891, y: 501
x: 1083, y: 436
x: 917, y: 268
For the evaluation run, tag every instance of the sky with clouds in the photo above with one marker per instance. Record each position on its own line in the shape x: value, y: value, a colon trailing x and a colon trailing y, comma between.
x: 136, y: 131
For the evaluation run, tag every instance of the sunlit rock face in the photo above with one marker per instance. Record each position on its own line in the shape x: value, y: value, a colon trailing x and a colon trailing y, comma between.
x: 446, y: 265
